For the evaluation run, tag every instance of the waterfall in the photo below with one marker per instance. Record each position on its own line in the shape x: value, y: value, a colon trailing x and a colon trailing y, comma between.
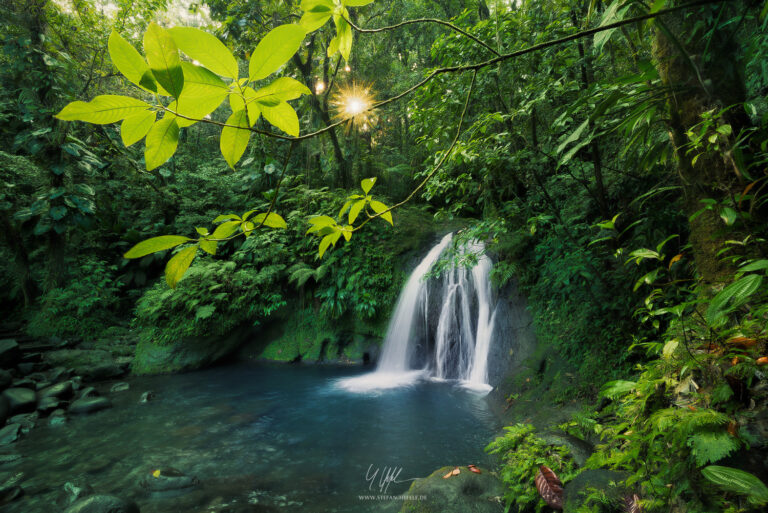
x: 441, y: 328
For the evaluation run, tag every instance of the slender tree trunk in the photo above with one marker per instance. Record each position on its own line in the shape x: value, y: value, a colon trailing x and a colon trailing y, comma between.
x: 23, y: 274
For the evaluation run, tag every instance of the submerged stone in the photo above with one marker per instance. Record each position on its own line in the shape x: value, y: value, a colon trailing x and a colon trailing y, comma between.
x: 120, y: 387
x: 168, y: 479
x: 61, y: 390
x: 89, y: 405
x: 20, y: 399
x: 102, y: 504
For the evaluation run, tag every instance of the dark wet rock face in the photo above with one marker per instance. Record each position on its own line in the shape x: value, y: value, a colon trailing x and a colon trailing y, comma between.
x: 9, y: 494
x: 5, y: 409
x: 466, y: 492
x: 102, y: 504
x: 10, y: 353
x: 89, y: 405
x: 20, y: 400
x: 5, y: 379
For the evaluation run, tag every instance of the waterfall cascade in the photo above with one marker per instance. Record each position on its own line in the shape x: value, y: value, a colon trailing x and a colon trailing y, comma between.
x: 441, y: 328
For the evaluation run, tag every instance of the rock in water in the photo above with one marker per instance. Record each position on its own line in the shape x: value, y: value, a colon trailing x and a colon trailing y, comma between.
x: 10, y: 434
x: 10, y: 354
x: 168, y: 479
x: 47, y: 405
x: 5, y: 379
x: 120, y: 387
x: 74, y: 491
x: 20, y: 400
x: 88, y: 392
x: 102, y: 504
x: 466, y: 492
x: 147, y: 396
x: 89, y: 405
x: 57, y: 418
x: 61, y: 390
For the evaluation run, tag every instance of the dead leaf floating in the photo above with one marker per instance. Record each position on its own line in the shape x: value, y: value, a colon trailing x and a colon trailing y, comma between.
x: 550, y: 487
x: 632, y: 504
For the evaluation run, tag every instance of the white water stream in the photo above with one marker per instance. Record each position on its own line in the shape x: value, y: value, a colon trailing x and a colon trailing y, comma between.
x: 457, y: 346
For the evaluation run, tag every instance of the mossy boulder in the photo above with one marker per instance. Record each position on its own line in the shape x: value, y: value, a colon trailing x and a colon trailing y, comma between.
x: 467, y: 492
x: 186, y: 354
x: 92, y: 365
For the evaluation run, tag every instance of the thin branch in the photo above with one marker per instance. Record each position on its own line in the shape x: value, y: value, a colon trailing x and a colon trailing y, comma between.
x: 439, y: 165
x: 279, y: 182
x: 423, y: 20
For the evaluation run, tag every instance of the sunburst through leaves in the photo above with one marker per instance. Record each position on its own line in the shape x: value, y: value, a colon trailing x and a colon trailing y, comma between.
x: 354, y: 101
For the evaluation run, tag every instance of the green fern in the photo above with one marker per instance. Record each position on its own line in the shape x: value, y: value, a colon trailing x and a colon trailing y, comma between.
x: 711, y: 446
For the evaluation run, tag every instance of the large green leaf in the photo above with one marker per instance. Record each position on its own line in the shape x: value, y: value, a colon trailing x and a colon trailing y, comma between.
x: 226, y: 229
x: 316, y: 13
x: 155, y: 244
x: 283, y: 117
x: 367, y: 183
x: 611, y: 15
x: 206, y: 49
x: 354, y: 211
x: 732, y: 296
x: 381, y: 209
x: 282, y: 89
x: 344, y: 35
x: 162, y: 140
x: 203, y: 92
x: 178, y: 265
x: 355, y: 3
x: 737, y: 481
x: 134, y: 128
x: 103, y: 109
x: 272, y: 220
x: 275, y: 49
x: 234, y: 141
x: 163, y: 57
x: 126, y: 58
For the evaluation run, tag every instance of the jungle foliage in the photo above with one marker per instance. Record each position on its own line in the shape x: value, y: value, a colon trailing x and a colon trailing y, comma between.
x: 618, y: 177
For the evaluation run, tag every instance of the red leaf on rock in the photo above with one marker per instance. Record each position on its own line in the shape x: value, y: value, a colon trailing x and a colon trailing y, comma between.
x: 550, y: 487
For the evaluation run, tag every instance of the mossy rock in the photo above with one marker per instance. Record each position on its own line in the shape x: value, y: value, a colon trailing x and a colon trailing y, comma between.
x: 186, y: 354
x: 467, y: 492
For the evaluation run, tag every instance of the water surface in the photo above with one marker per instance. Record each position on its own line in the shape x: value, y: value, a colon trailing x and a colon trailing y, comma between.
x: 259, y: 439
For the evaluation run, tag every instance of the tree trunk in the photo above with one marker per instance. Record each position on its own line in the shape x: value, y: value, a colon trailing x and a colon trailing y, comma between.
x: 708, y: 77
